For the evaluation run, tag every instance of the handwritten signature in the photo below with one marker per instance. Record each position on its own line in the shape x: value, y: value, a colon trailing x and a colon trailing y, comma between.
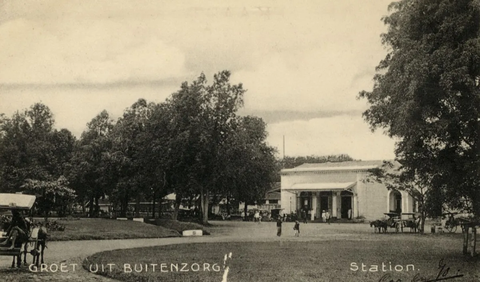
x: 444, y: 273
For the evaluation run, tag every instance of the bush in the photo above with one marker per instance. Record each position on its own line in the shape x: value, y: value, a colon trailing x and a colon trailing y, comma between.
x: 178, y: 226
x: 50, y: 225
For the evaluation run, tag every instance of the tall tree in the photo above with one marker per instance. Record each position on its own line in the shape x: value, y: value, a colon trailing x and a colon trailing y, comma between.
x: 427, y: 95
x: 89, y: 173
x: 31, y: 149
x: 129, y: 140
x: 249, y: 165
x: 201, y: 119
x: 54, y: 195
x: 392, y: 175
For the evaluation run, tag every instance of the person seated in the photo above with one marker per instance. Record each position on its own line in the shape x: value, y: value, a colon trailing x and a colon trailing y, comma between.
x: 16, y: 232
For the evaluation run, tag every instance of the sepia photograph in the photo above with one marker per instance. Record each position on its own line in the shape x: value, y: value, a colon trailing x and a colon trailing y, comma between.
x: 237, y: 141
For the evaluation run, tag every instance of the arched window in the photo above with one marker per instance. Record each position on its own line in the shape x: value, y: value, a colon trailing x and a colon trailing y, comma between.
x: 395, y: 201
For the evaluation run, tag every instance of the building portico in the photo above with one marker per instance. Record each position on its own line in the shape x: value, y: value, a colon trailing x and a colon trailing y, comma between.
x: 341, y: 189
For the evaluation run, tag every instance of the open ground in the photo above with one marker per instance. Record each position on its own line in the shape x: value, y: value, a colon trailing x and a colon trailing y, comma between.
x: 321, y: 253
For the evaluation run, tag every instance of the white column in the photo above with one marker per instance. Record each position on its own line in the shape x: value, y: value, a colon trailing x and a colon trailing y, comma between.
x: 314, y: 206
x: 407, y: 203
x: 353, y: 205
x: 334, y: 204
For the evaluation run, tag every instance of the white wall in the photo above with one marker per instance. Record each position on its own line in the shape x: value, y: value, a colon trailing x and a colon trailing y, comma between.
x: 370, y: 199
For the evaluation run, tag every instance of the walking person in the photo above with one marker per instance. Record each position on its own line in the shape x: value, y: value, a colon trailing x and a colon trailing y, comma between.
x: 257, y: 217
x: 279, y: 226
x: 297, y: 228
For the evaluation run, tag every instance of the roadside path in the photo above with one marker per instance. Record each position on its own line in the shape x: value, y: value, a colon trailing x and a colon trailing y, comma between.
x: 74, y: 252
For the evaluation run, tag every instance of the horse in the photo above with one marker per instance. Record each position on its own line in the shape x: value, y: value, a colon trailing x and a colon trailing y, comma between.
x: 379, y: 224
x: 39, y: 235
x: 21, y: 242
x: 413, y: 224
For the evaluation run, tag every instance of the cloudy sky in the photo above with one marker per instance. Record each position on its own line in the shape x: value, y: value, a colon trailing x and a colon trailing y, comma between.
x: 303, y: 62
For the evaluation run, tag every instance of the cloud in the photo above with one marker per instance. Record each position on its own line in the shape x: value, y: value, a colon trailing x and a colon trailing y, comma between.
x: 99, y: 51
x: 303, y: 64
x: 74, y: 108
x: 332, y: 135
x: 319, y: 80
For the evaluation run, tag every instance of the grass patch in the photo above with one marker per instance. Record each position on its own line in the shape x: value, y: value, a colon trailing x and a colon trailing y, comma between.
x: 295, y: 260
x: 101, y: 229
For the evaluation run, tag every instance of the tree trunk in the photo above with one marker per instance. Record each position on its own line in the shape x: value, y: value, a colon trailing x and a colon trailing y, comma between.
x: 200, y: 198
x: 422, y: 222
x: 476, y: 203
x: 207, y: 208
x: 228, y: 206
x: 245, y: 211
x: 137, y: 205
x: 204, y: 202
x: 124, y: 208
x: 153, y: 204
x: 90, y: 207
x: 97, y: 206
x: 176, y: 206
x: 45, y: 210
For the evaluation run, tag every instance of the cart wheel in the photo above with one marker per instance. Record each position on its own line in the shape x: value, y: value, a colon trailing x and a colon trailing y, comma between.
x: 451, y: 228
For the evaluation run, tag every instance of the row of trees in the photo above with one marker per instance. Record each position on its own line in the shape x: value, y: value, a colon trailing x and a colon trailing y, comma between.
x: 194, y: 145
x: 427, y: 96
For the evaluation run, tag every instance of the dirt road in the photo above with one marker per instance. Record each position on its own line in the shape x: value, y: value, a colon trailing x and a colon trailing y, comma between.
x: 72, y: 253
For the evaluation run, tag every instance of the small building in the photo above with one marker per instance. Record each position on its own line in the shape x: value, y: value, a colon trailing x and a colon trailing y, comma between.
x: 341, y: 189
x: 272, y: 198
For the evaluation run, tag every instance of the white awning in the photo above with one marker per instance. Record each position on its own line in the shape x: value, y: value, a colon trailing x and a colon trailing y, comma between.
x: 323, y: 186
x: 16, y: 201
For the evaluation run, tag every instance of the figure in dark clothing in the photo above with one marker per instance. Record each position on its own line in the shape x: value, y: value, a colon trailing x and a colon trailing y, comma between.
x: 297, y: 228
x: 16, y: 232
x: 304, y: 216
x: 279, y: 226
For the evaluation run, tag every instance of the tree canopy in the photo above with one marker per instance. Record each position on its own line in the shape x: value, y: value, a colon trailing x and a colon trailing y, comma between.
x: 194, y: 144
x: 426, y: 95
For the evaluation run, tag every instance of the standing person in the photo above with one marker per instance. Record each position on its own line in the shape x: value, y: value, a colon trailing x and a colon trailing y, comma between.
x: 304, y: 216
x: 257, y: 217
x: 324, y: 216
x: 297, y: 228
x: 279, y: 226
x: 327, y: 215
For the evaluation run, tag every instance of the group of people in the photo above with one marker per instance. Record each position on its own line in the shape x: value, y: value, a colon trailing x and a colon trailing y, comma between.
x: 296, y: 227
x: 17, y: 232
x: 325, y: 216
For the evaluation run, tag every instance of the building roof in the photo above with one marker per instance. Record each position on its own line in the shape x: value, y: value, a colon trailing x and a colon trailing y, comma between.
x: 335, y: 166
x: 16, y: 201
x: 274, y: 193
x: 315, y: 187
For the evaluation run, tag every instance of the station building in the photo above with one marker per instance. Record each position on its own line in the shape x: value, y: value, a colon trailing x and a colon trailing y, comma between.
x: 340, y: 188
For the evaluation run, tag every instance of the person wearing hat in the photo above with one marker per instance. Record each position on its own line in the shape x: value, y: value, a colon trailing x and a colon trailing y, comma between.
x: 296, y: 227
x: 279, y: 226
x: 17, y: 231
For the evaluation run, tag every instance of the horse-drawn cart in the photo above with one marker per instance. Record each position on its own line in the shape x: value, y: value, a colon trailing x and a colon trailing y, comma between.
x: 409, y: 220
x: 13, y: 244
x: 393, y: 220
x: 398, y: 221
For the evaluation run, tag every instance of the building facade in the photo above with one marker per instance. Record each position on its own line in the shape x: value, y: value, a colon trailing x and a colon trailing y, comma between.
x: 342, y: 190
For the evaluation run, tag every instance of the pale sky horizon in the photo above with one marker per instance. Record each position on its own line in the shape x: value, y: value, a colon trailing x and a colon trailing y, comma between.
x: 303, y: 65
